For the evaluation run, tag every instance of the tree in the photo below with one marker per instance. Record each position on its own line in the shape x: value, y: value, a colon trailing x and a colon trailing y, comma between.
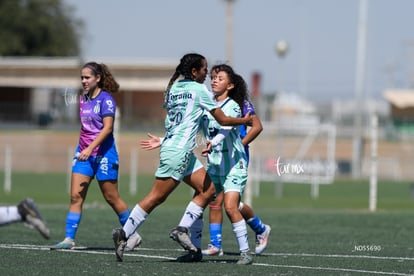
x: 38, y: 28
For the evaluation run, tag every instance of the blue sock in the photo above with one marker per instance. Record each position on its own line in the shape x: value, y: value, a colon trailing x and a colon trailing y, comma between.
x: 215, y: 234
x: 72, y: 223
x: 257, y: 225
x: 123, y: 217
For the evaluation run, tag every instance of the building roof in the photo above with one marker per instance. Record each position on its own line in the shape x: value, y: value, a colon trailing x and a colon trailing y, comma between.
x: 401, y: 98
x: 40, y: 72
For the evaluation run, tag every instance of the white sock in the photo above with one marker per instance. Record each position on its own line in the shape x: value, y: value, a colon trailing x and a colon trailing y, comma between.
x: 196, y: 231
x: 136, y: 218
x: 9, y: 214
x: 240, y: 231
x: 191, y: 214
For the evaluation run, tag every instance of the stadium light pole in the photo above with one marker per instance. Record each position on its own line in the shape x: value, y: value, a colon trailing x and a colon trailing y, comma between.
x: 359, y: 90
x: 281, y: 49
x: 229, y: 31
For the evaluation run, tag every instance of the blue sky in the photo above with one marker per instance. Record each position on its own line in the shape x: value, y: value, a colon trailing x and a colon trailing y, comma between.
x: 321, y: 34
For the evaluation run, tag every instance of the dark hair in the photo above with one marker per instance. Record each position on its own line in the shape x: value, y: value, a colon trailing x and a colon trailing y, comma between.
x: 187, y: 63
x: 239, y: 93
x: 107, y: 81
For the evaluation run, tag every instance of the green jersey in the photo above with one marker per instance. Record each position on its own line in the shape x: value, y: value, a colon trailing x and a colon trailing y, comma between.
x: 185, y: 103
x: 228, y: 155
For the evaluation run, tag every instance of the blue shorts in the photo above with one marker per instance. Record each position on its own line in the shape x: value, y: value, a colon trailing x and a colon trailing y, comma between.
x: 103, y: 167
x: 176, y: 163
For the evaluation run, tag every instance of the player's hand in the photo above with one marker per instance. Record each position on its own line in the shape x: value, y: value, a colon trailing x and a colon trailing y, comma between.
x: 84, y: 155
x: 248, y: 118
x: 205, y: 151
x: 152, y: 143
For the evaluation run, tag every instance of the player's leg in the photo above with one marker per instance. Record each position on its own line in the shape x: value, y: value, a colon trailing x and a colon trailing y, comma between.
x: 30, y: 215
x: 106, y: 172
x: 262, y: 230
x: 192, y: 217
x: 203, y: 187
x: 168, y: 176
x: 231, y: 202
x: 160, y: 190
x: 79, y: 189
x: 106, y: 169
x: 192, y: 220
x: 9, y: 214
x: 215, y: 226
x: 109, y: 189
x: 26, y: 211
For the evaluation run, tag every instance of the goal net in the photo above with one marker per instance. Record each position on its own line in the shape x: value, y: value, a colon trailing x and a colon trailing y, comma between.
x: 296, y: 149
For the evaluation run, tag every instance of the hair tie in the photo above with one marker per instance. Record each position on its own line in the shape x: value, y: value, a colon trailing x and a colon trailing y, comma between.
x: 93, y: 69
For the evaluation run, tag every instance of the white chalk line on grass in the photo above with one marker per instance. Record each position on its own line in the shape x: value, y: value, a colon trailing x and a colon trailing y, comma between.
x: 86, y: 251
x: 340, y: 256
x: 337, y: 269
x: 78, y: 250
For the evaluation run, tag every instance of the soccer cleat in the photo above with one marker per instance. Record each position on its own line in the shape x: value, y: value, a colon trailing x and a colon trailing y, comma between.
x: 246, y: 258
x: 133, y: 241
x: 213, y: 250
x: 120, y: 241
x: 30, y: 215
x: 261, y: 240
x: 180, y: 234
x: 67, y: 243
x: 191, y: 257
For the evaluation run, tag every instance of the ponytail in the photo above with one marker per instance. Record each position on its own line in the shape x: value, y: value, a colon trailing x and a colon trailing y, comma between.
x: 187, y: 63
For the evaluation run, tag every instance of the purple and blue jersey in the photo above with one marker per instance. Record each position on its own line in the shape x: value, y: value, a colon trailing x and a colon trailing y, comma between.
x: 247, y: 107
x: 92, y: 112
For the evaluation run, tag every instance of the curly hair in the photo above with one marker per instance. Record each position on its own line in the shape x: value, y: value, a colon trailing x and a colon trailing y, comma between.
x: 239, y: 93
x: 107, y: 81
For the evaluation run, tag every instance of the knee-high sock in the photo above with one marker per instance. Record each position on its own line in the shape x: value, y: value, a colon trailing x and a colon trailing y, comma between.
x: 191, y: 214
x: 257, y: 225
x: 72, y: 224
x: 196, y: 231
x: 135, y: 219
x: 215, y: 234
x: 123, y: 217
x: 240, y: 231
x: 9, y: 214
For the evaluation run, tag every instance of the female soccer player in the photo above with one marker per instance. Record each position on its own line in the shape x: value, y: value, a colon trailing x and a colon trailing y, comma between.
x: 223, y: 77
x: 96, y: 154
x: 226, y: 158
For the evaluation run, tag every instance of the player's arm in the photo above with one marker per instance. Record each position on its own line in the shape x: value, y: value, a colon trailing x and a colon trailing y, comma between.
x: 224, y: 120
x: 220, y: 136
x: 254, y: 131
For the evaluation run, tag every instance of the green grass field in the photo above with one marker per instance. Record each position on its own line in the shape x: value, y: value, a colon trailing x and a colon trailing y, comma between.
x: 332, y: 235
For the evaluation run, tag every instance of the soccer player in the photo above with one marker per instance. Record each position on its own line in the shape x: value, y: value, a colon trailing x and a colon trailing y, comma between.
x: 226, y: 158
x: 223, y: 73
x: 96, y: 154
x: 26, y: 211
x: 185, y: 101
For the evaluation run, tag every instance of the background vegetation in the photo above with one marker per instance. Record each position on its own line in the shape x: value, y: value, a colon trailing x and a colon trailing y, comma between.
x: 39, y: 28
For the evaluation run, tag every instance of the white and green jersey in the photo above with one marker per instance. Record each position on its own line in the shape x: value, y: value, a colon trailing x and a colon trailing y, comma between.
x: 186, y: 102
x: 229, y: 154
